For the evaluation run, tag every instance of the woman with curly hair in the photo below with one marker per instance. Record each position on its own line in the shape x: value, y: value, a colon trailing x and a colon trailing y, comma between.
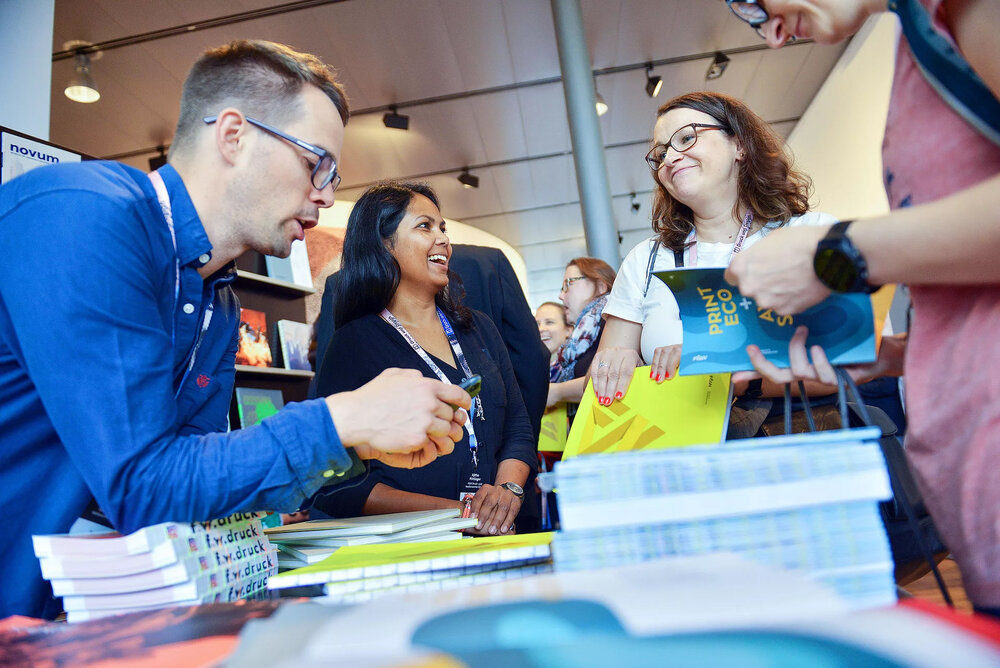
x: 723, y: 183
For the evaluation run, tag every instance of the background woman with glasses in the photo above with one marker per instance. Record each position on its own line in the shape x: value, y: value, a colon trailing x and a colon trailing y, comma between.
x: 723, y: 183
x: 586, y: 283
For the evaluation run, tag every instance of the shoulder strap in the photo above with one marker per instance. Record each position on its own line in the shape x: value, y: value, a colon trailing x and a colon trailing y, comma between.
x: 947, y: 71
x: 649, y: 265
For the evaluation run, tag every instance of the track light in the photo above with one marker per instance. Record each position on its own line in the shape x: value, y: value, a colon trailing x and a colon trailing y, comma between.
x: 599, y: 103
x: 468, y: 180
x: 393, y: 120
x: 634, y: 203
x: 158, y: 160
x: 653, y: 82
x: 81, y: 86
x: 718, y: 66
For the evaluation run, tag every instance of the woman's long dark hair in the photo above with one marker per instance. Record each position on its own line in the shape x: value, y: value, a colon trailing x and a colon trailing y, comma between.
x: 369, y: 274
x: 766, y: 182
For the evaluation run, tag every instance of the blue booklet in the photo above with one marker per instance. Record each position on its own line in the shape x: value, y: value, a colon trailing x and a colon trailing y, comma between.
x: 719, y: 323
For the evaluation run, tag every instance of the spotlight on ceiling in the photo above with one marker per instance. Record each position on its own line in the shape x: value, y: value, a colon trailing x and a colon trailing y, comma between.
x: 468, y: 180
x: 653, y: 82
x: 599, y: 103
x: 159, y: 159
x: 398, y: 121
x: 634, y: 203
x: 719, y: 64
x: 81, y: 86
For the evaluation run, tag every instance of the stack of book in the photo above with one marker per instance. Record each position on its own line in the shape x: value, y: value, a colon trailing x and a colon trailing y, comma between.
x: 167, y: 564
x: 806, y: 502
x: 358, y: 573
x: 311, y: 542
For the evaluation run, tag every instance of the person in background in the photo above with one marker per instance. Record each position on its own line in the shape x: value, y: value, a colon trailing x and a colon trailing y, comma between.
x: 554, y: 330
x: 487, y: 279
x: 723, y: 183
x: 585, y: 287
x: 394, y: 307
x: 118, y: 325
x: 942, y: 238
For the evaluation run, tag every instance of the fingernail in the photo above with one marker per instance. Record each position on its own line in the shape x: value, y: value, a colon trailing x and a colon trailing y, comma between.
x: 651, y: 373
x: 657, y: 378
x: 493, y: 529
x: 618, y: 395
x: 667, y: 375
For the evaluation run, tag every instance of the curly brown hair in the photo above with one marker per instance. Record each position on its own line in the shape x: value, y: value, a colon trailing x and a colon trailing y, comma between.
x: 766, y: 182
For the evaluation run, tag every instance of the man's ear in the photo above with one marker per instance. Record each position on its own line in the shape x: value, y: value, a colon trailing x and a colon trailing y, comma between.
x: 230, y: 134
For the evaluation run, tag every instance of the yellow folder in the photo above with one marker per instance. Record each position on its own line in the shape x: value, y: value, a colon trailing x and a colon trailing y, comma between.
x: 686, y: 410
x: 555, y: 428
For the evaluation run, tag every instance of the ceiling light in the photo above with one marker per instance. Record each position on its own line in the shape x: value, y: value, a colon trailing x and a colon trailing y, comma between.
x: 398, y: 121
x: 158, y: 160
x: 634, y: 203
x: 653, y: 83
x: 602, y: 106
x: 81, y: 86
x: 718, y: 66
x: 468, y: 180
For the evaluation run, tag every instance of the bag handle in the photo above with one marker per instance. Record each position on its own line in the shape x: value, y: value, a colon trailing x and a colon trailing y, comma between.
x: 845, y: 385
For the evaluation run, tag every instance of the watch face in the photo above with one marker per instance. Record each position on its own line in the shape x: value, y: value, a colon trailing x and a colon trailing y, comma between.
x: 835, y: 270
x: 514, y: 488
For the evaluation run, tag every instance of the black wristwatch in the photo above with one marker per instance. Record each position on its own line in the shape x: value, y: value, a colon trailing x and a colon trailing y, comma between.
x: 514, y: 489
x: 838, y: 263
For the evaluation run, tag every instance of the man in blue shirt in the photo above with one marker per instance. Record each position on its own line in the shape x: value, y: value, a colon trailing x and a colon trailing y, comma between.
x: 118, y: 324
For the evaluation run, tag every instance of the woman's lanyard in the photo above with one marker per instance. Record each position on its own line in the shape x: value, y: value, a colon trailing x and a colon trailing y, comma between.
x: 457, y: 349
x: 163, y: 197
x: 692, y: 242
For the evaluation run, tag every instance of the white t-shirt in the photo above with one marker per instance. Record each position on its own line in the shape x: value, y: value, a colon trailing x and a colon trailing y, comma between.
x: 657, y: 311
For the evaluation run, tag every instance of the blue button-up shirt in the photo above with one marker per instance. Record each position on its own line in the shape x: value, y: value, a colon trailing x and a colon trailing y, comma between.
x: 96, y: 400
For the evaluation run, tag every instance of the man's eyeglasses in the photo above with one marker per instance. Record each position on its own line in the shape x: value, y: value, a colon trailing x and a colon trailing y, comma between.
x: 569, y: 281
x: 680, y: 141
x: 753, y: 12
x: 324, y: 172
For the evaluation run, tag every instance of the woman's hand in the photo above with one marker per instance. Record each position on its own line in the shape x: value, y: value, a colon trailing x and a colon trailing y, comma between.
x: 666, y: 359
x: 889, y: 363
x: 611, y: 372
x: 495, y: 507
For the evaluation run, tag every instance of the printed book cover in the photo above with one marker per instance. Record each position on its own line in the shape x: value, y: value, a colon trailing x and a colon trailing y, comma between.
x: 299, y: 258
x: 254, y: 348
x: 279, y: 268
x: 719, y: 323
x: 255, y: 404
x: 295, y: 337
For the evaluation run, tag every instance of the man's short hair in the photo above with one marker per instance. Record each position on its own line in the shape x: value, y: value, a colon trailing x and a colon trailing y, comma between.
x: 261, y: 79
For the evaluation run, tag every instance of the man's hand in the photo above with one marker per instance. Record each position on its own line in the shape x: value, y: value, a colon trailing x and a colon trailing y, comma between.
x: 777, y: 272
x: 400, y: 418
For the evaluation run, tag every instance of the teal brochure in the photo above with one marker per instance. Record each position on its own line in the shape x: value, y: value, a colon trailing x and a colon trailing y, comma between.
x: 719, y: 323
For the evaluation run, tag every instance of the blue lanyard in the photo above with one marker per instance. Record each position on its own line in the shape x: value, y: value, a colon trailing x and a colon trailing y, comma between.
x: 163, y: 197
x: 457, y: 348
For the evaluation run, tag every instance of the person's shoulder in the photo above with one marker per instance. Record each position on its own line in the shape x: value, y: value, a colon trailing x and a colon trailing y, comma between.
x: 363, y: 325
x: 110, y: 179
x: 812, y: 218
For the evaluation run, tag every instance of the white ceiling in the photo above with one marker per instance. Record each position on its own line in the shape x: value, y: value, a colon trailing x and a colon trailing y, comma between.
x: 400, y: 51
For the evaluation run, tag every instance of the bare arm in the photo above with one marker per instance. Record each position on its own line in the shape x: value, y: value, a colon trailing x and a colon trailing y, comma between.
x: 384, y: 499
x: 570, y: 390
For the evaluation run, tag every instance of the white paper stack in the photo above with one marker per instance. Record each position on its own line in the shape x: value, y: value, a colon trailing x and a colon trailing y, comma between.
x: 805, y: 502
x: 166, y: 564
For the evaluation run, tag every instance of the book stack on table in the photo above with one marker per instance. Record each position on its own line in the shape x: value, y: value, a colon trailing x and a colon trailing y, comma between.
x: 415, y: 557
x: 311, y: 542
x: 172, y: 563
x: 805, y: 502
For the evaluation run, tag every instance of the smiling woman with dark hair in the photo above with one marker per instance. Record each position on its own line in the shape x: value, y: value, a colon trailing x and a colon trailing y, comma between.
x: 394, y: 309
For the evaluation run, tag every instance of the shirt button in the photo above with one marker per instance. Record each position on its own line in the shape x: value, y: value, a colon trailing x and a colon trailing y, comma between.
x: 205, y: 258
x: 189, y: 308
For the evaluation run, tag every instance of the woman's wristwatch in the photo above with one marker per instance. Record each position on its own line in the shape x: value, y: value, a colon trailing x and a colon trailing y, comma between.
x: 514, y: 489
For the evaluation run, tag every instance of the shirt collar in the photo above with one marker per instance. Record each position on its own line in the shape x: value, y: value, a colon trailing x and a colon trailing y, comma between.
x: 193, y: 246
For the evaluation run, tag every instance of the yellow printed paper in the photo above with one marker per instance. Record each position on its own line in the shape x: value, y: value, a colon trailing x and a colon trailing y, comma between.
x: 555, y: 428
x: 881, y: 302
x: 686, y: 410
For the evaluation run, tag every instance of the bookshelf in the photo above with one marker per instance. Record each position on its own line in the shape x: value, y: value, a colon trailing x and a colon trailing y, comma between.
x: 279, y: 300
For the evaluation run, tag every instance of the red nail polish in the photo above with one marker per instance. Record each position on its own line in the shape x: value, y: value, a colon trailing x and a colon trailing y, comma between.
x: 651, y: 373
x: 618, y: 395
x: 657, y: 378
x: 668, y: 375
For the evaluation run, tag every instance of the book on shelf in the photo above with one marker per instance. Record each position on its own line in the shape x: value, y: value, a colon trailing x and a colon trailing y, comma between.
x: 365, y: 525
x: 294, y: 338
x: 679, y: 412
x: 719, y: 323
x: 291, y: 269
x: 357, y: 562
x: 254, y: 404
x: 254, y: 348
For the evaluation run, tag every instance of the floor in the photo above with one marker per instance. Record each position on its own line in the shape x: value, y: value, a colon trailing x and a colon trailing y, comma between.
x: 926, y: 587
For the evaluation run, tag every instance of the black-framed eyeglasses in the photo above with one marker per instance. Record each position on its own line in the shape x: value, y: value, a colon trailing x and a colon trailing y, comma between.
x: 754, y: 13
x: 324, y: 172
x: 682, y: 140
x: 570, y: 281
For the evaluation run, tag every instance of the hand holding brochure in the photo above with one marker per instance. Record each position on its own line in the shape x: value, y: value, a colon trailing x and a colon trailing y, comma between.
x: 719, y: 323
